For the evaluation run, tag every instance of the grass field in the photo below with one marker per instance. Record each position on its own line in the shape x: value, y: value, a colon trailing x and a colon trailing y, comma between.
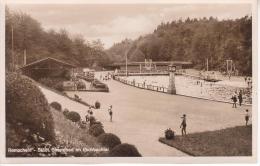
x: 236, y: 141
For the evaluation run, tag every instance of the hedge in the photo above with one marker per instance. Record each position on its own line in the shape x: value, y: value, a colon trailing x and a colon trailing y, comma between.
x: 124, y: 150
x: 56, y: 106
x: 96, y: 130
x: 109, y: 140
x: 73, y: 116
x: 26, y: 108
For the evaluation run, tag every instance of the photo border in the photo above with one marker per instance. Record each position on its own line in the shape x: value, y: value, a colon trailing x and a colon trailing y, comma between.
x: 47, y: 160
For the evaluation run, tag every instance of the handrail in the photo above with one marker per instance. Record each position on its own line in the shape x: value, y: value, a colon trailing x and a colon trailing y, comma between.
x: 142, y: 86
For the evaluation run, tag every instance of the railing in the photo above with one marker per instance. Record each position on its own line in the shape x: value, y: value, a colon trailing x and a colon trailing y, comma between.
x: 142, y: 85
x: 137, y: 73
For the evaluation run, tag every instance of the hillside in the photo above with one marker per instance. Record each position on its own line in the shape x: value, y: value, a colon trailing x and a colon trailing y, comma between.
x: 194, y: 40
x: 31, y: 38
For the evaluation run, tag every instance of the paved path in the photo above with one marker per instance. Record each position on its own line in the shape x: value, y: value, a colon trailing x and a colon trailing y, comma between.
x: 141, y: 116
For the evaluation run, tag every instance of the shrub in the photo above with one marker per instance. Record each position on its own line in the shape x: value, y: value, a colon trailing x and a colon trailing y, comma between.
x: 109, y: 140
x: 66, y: 112
x: 56, y: 105
x: 27, y: 108
x: 73, y: 116
x: 82, y: 124
x: 59, y: 86
x: 169, y: 134
x: 97, y: 104
x: 92, y: 120
x: 81, y: 85
x: 96, y: 130
x: 124, y: 150
x: 52, y: 82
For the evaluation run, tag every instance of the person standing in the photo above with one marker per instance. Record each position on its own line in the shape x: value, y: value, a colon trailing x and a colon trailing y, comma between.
x: 245, y: 79
x: 110, y: 113
x: 183, y: 125
x: 247, y: 117
x: 240, y: 97
x: 234, y: 99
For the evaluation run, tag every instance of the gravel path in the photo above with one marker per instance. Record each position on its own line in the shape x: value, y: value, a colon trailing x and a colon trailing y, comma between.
x: 141, y: 116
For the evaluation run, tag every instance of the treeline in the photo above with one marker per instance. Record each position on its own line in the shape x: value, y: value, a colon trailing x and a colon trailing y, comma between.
x: 194, y: 40
x: 29, y: 35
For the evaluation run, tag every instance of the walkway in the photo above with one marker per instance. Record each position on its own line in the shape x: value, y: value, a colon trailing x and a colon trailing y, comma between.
x: 140, y: 116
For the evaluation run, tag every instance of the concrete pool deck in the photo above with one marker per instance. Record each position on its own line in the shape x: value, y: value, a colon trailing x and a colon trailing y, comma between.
x: 141, y: 116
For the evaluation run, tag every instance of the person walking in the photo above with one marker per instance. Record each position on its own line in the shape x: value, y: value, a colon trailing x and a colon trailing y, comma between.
x: 110, y: 113
x: 247, y: 117
x: 240, y: 97
x: 234, y: 99
x: 183, y: 125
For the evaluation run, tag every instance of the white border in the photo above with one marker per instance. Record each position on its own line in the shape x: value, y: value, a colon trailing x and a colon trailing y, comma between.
x: 169, y: 160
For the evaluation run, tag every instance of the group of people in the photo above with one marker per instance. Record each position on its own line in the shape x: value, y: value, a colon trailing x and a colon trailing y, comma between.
x: 234, y: 98
x: 107, y: 77
x: 248, y: 80
x: 90, y: 113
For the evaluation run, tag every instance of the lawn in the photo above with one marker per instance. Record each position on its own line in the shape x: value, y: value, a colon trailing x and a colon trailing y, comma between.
x: 236, y: 141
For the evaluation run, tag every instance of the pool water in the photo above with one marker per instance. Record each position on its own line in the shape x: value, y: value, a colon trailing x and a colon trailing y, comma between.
x: 190, y: 86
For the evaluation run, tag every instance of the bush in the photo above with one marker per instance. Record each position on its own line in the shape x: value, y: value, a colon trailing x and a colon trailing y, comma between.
x: 66, y: 112
x: 56, y: 105
x: 96, y: 130
x: 59, y: 86
x: 124, y: 150
x: 26, y: 108
x: 73, y: 116
x: 82, y: 124
x: 92, y: 120
x: 81, y: 85
x: 169, y: 134
x: 55, y: 83
x: 109, y: 140
x: 97, y: 105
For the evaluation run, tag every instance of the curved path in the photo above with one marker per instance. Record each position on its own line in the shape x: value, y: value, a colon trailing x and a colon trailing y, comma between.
x: 140, y: 116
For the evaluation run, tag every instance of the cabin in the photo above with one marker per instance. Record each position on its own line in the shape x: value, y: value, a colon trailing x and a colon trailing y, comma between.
x: 48, y: 68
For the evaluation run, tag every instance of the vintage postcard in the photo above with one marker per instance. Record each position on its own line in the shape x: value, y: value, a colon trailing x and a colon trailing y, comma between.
x: 128, y: 81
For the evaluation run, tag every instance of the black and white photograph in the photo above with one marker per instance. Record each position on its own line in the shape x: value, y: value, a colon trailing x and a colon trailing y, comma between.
x: 131, y: 80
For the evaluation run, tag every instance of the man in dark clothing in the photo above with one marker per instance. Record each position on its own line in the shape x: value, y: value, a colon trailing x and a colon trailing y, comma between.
x: 183, y: 125
x: 247, y: 117
x: 240, y: 98
x: 110, y: 112
x: 234, y: 99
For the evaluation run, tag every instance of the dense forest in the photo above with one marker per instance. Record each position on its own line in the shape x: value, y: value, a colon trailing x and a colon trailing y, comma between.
x: 29, y: 36
x: 194, y: 40
x: 187, y: 40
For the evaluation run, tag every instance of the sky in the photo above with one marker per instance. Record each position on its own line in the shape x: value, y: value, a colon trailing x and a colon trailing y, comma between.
x: 112, y: 23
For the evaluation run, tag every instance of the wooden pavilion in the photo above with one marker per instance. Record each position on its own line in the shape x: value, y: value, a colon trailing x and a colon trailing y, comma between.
x: 48, y: 67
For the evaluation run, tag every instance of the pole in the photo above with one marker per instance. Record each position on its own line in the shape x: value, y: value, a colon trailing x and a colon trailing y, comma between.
x: 126, y: 64
x: 24, y: 57
x: 207, y: 64
x: 13, y: 63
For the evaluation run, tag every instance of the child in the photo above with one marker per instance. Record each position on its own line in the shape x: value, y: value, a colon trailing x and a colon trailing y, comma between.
x: 247, y: 117
x: 183, y: 125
